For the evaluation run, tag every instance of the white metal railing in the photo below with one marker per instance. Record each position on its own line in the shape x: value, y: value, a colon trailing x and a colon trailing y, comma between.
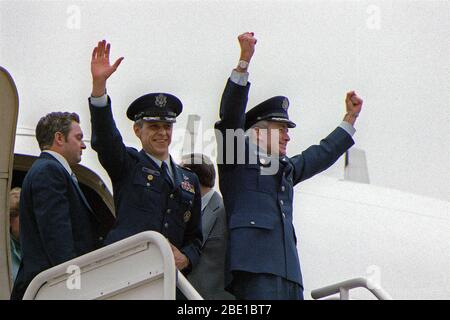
x: 344, y: 287
x: 139, y: 267
x: 186, y: 288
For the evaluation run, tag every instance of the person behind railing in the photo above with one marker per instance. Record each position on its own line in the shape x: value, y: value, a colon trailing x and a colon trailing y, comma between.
x: 14, y: 230
x: 57, y: 223
x: 208, y: 276
x: 257, y: 184
x: 151, y: 192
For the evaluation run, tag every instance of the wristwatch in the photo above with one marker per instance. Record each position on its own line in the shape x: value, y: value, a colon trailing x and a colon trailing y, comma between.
x: 243, y: 64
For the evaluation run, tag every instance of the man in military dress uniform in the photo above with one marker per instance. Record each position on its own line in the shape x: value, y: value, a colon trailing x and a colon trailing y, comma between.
x: 151, y: 192
x: 262, y: 260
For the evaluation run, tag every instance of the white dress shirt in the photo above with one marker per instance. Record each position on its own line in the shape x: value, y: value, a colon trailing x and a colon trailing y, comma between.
x: 60, y: 159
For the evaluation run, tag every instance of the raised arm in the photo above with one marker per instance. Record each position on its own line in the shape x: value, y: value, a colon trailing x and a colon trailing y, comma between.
x: 318, y: 158
x: 247, y: 42
x: 235, y: 95
x: 106, y: 138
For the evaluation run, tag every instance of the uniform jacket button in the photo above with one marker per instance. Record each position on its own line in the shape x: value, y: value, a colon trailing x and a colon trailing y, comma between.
x: 252, y: 222
x: 166, y: 225
x: 283, y: 188
x: 281, y: 202
x: 171, y: 196
x: 168, y: 211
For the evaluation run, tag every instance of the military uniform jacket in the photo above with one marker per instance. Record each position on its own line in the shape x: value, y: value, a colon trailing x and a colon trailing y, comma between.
x: 259, y: 207
x: 56, y: 223
x: 143, y: 199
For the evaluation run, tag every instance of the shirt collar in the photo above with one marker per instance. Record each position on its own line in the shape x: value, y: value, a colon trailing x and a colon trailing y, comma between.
x: 206, y: 198
x: 60, y: 159
x: 159, y: 162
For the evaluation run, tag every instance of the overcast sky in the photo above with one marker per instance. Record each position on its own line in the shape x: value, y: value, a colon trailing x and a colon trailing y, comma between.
x: 395, y: 54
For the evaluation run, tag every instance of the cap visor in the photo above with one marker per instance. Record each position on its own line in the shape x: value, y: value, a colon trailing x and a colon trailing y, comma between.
x: 289, y: 123
x: 157, y: 119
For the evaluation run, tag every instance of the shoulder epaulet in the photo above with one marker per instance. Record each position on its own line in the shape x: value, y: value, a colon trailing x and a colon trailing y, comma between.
x: 184, y: 168
x: 133, y: 152
x: 132, y: 149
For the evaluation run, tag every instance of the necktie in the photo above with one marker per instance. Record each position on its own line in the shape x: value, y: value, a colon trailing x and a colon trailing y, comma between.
x: 74, y: 178
x: 165, y: 173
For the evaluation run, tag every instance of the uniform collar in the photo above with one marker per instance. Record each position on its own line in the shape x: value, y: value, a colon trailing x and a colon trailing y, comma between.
x: 177, y: 176
x: 262, y: 157
x: 284, y: 159
x: 159, y: 162
x: 60, y: 159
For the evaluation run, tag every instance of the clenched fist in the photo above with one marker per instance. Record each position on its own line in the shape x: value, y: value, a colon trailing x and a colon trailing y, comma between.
x: 247, y: 41
x: 353, y: 105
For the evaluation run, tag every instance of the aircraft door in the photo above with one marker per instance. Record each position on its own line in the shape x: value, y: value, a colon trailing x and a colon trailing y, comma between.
x: 9, y: 106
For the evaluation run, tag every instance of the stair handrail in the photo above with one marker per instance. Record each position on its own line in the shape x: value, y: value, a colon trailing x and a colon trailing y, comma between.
x: 344, y: 287
x: 115, y: 250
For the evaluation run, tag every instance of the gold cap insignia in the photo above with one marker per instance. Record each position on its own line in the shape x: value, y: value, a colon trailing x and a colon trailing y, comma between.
x: 285, y: 104
x: 161, y: 100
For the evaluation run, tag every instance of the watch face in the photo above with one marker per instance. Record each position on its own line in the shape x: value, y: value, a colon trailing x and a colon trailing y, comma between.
x: 243, y: 64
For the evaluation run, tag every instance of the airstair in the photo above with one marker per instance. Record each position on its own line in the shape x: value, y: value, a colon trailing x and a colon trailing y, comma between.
x: 140, y: 267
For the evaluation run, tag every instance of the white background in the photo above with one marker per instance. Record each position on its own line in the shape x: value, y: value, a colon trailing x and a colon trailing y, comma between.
x: 395, y: 54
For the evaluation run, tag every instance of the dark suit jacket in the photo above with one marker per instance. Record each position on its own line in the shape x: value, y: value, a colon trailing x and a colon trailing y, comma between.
x: 208, y: 276
x: 56, y: 223
x: 143, y: 199
x: 262, y: 238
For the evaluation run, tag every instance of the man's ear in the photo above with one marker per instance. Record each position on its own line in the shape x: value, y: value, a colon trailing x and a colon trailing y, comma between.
x: 59, y: 139
x: 259, y: 134
x: 137, y: 130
